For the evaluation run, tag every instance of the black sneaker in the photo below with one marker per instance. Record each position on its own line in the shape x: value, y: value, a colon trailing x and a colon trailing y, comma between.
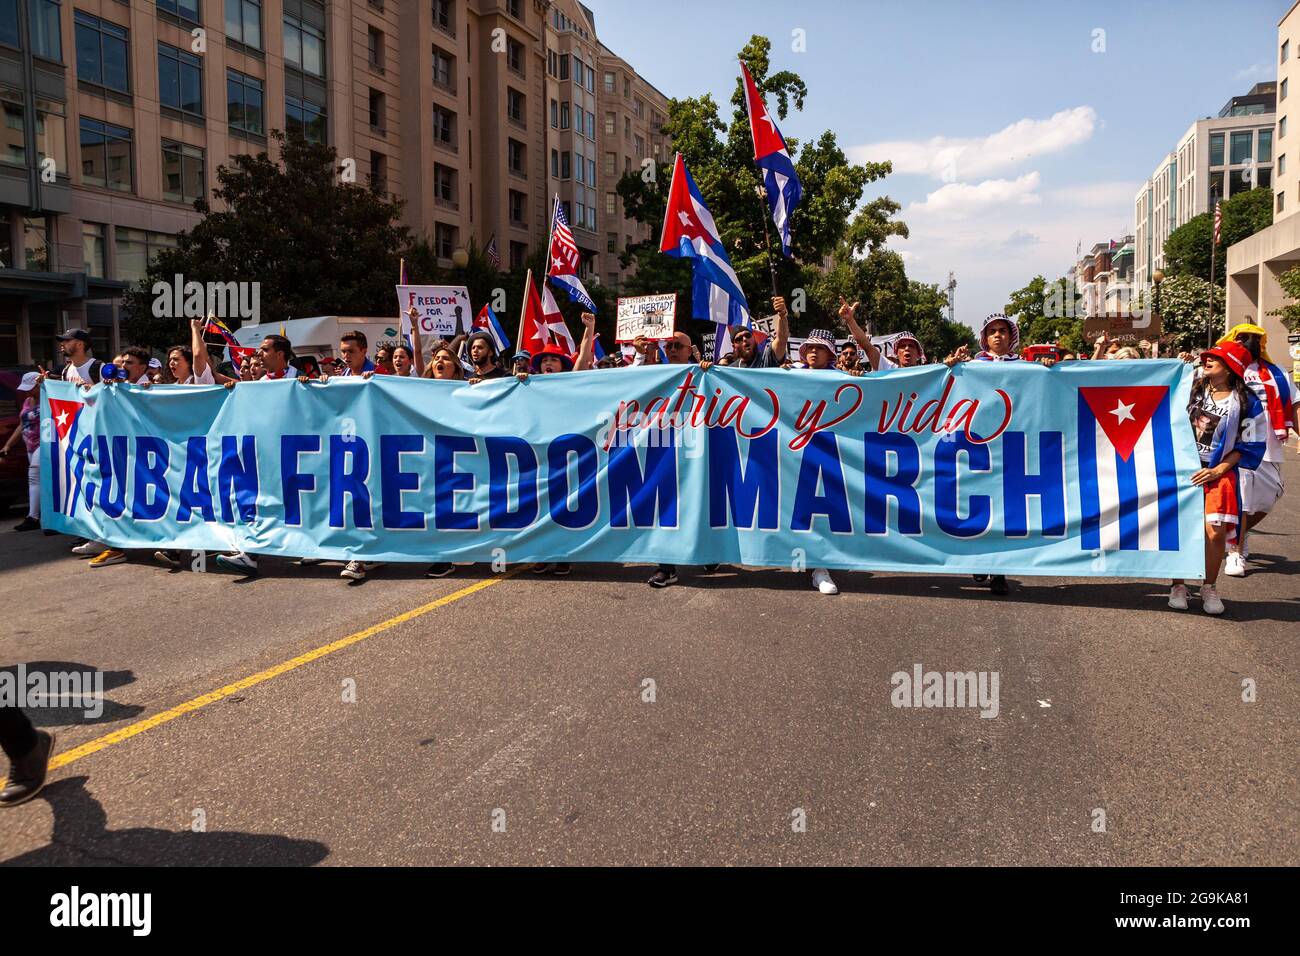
x: 998, y: 584
x: 710, y: 568
x: 440, y: 570
x: 544, y: 568
x: 27, y: 774
x: 662, y: 579
x: 27, y: 524
x: 562, y: 568
x: 980, y: 578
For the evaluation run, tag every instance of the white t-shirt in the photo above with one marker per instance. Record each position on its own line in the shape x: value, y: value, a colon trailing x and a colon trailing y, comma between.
x: 1274, y: 450
x: 203, y: 379
x: 78, y: 373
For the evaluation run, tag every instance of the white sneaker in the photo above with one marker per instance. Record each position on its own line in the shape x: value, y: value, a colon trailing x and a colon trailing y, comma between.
x: 357, y: 570
x: 1235, y: 565
x: 88, y: 549
x: 821, y: 579
x: 1210, y: 602
x: 1178, y: 597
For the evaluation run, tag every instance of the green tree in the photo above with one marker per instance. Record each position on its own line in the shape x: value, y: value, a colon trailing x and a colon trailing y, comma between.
x: 830, y: 220
x: 1047, y: 313
x: 1185, y: 312
x: 1187, y: 250
x: 317, y: 245
x: 1290, y: 314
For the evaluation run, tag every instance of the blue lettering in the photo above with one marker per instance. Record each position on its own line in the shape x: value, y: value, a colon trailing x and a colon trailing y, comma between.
x: 346, y: 481
x: 1048, y: 484
x: 151, y: 457
x: 901, y: 485
x: 294, y: 483
x: 448, y: 481
x: 655, y: 489
x: 238, y: 477
x: 743, y: 490
x: 500, y: 451
x: 196, y: 492
x: 112, y: 465
x: 821, y: 466
x: 946, y: 506
x: 394, y: 481
x: 557, y: 481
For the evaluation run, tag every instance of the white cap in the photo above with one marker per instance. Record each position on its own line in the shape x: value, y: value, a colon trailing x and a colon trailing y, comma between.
x: 155, y: 363
x: 29, y: 381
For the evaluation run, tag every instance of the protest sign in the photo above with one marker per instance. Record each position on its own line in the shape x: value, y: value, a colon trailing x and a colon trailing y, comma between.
x: 652, y: 316
x: 444, y: 310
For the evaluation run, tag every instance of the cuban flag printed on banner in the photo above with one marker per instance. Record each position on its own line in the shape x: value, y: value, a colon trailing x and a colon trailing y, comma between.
x: 65, y: 483
x: 690, y: 233
x: 487, y: 321
x: 770, y: 155
x: 1128, y: 480
x: 565, y: 259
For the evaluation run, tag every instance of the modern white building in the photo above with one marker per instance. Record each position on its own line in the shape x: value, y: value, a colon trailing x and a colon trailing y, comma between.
x: 1216, y: 158
x: 1255, y: 263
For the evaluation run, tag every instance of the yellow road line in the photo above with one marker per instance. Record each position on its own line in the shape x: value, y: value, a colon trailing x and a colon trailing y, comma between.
x: 140, y: 726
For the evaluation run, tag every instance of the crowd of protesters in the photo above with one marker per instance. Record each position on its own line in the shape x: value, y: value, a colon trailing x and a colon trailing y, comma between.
x: 1241, y: 410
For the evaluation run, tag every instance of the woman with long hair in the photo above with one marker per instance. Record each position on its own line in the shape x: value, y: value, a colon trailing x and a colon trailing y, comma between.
x: 1229, y: 425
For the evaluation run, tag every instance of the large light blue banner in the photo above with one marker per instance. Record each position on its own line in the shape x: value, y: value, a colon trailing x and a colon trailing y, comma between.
x: 1079, y: 470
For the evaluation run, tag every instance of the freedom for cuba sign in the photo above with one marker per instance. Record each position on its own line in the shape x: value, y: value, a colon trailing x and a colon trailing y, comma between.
x: 1083, y: 469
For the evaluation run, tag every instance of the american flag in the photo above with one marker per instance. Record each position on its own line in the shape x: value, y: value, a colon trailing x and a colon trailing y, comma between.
x: 1218, y: 219
x: 565, y: 259
x: 490, y: 250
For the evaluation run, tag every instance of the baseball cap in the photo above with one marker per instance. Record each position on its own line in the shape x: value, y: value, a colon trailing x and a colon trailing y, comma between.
x: 81, y: 335
x: 29, y: 381
x: 524, y: 354
x: 155, y: 363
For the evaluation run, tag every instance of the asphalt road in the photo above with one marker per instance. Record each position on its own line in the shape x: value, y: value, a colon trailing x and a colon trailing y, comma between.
x: 510, y: 725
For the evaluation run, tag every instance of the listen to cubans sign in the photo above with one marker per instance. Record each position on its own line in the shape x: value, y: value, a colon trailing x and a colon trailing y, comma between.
x: 989, y: 467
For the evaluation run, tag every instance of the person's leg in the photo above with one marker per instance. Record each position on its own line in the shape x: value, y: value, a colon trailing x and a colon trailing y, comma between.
x: 34, y: 485
x: 1216, y: 545
x: 28, y: 750
x: 664, y: 575
x: 17, y: 735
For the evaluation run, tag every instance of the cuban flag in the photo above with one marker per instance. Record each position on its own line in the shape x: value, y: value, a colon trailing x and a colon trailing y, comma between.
x: 770, y: 155
x: 690, y: 233
x: 66, y: 467
x: 565, y: 259
x: 487, y: 321
x: 1128, y: 480
x: 596, y: 350
x: 541, y: 322
x: 235, y: 353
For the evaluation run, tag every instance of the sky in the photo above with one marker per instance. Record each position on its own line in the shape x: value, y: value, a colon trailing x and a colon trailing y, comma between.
x: 1016, y: 130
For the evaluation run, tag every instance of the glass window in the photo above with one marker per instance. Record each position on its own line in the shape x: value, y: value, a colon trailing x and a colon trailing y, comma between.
x: 244, y: 22
x: 189, y: 9
x: 134, y: 249
x: 1264, y: 177
x: 244, y: 102
x: 1281, y: 165
x: 1243, y: 180
x: 444, y: 183
x: 609, y: 82
x: 106, y: 155
x: 102, y: 52
x: 515, y: 107
x: 36, y: 251
x: 1216, y: 187
x: 442, y: 16
x: 444, y: 127
x: 515, y: 157
x: 1241, y: 143
x: 564, y: 116
x: 1216, y: 149
x: 611, y: 204
x: 444, y: 239
x: 591, y: 172
x: 375, y: 47
x: 182, y: 172
x: 444, y: 74
x: 51, y: 137
x: 518, y: 207
x: 180, y: 80
x: 376, y: 111
x: 555, y: 115
x: 14, y: 140
x: 1281, y: 128
x: 566, y: 164
x: 6, y: 241
x: 8, y: 35
x: 306, y: 117
x: 1286, y: 50
x: 43, y: 17
x: 92, y: 248
x: 1265, y: 151
x: 304, y: 46
x: 1282, y: 90
x: 1281, y: 201
x: 515, y: 56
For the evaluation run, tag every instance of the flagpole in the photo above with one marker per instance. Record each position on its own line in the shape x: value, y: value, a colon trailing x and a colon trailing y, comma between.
x: 1214, y: 245
x: 761, y: 193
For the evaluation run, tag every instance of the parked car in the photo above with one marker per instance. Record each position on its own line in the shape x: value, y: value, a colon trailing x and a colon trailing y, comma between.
x: 13, y: 469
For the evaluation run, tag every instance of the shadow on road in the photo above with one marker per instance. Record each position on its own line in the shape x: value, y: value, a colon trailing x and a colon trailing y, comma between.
x: 66, y: 709
x: 81, y: 838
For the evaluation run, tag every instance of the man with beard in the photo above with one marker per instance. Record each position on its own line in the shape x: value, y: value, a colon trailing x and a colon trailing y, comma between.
x: 908, y: 351
x: 745, y: 350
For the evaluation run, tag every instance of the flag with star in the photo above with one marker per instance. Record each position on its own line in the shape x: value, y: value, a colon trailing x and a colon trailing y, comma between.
x: 780, y: 180
x: 1128, y: 479
x: 66, y: 466
x: 690, y: 233
x: 565, y: 260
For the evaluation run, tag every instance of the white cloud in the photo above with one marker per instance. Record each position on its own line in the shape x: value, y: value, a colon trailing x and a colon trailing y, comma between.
x: 952, y: 158
x: 1110, y: 195
x: 958, y: 200
x: 1256, y: 71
